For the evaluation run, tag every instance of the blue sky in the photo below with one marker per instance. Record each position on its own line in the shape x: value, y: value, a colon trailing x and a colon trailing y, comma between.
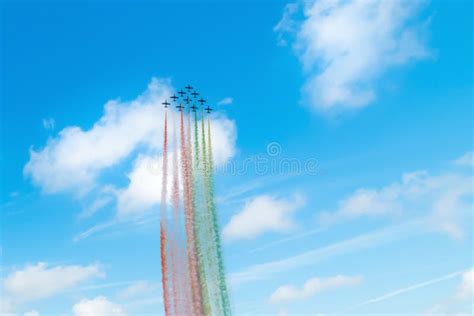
x: 378, y: 94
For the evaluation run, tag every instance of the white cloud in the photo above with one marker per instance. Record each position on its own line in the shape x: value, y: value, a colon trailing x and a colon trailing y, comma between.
x: 143, y: 190
x: 137, y: 289
x: 223, y: 138
x: 75, y: 158
x: 32, y: 313
x: 262, y: 214
x: 6, y: 305
x: 467, y: 285
x: 225, y: 101
x: 98, y: 306
x: 444, y: 197
x: 466, y: 160
x: 49, y: 123
x: 289, y: 293
x: 345, y: 46
x: 40, y: 281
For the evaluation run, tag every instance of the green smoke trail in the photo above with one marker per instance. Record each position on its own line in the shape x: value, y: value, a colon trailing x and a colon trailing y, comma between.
x: 216, y: 259
x: 199, y: 223
x: 210, y: 239
x: 224, y: 295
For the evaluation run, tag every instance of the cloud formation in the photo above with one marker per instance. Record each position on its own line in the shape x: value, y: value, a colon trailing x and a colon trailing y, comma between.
x: 313, y: 286
x: 74, y: 160
x: 76, y: 157
x: 344, y: 46
x: 444, y: 198
x: 263, y: 214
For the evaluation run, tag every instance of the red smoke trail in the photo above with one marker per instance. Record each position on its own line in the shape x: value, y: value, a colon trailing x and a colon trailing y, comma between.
x: 189, y: 226
x: 186, y: 269
x: 175, y: 235
x: 164, y: 270
x: 164, y: 260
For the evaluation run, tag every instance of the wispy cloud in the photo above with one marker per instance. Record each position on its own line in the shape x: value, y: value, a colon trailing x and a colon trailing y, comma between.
x: 280, y: 241
x: 95, y: 206
x: 118, y: 224
x: 137, y: 289
x: 466, y: 160
x: 364, y: 241
x: 242, y: 192
x: 49, y: 124
x: 443, y: 197
x: 287, y: 23
x: 226, y: 101
x: 313, y: 286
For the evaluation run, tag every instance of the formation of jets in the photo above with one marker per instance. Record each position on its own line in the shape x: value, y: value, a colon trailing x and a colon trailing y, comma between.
x: 184, y: 97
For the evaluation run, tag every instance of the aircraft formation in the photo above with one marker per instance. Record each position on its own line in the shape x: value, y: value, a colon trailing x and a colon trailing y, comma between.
x: 192, y: 263
x: 184, y: 97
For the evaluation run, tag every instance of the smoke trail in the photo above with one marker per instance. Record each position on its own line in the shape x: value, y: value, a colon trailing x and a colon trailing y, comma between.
x: 189, y: 224
x: 185, y: 301
x: 199, y: 220
x: 185, y: 269
x: 163, y: 231
x: 224, y: 295
x: 175, y: 234
x: 192, y: 213
x: 192, y: 257
x: 211, y: 246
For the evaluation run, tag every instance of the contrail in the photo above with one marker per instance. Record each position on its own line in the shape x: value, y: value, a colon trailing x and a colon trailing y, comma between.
x: 363, y: 241
x: 287, y: 239
x: 406, y: 289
